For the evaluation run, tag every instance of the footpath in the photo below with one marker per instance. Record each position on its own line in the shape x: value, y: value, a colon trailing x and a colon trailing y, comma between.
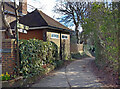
x: 76, y: 74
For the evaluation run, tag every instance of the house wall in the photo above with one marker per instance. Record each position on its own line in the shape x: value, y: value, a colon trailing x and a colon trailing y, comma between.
x: 65, y: 42
x: 38, y: 34
x: 55, y: 40
x: 46, y: 35
x: 66, y: 45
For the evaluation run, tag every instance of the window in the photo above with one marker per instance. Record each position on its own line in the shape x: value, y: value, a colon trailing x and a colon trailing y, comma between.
x: 54, y: 35
x: 64, y: 37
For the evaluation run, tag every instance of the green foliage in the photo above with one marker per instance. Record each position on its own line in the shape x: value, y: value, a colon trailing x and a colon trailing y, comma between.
x: 34, y: 54
x: 58, y: 63
x: 102, y: 23
x: 79, y: 55
x: 55, y: 50
x: 5, y: 77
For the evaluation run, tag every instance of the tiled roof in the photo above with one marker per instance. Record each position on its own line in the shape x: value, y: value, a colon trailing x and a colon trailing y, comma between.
x: 39, y: 19
x: 51, y: 22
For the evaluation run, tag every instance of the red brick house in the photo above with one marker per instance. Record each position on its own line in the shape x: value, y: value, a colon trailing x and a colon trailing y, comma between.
x: 44, y: 28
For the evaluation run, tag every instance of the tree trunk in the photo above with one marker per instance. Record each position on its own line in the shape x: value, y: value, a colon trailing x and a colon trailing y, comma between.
x: 77, y: 33
x: 5, y: 23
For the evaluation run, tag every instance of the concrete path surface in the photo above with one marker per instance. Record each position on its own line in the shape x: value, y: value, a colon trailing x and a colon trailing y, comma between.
x: 76, y: 74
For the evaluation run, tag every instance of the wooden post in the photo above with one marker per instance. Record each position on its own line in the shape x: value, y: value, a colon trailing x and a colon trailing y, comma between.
x: 17, y: 36
x: 60, y: 46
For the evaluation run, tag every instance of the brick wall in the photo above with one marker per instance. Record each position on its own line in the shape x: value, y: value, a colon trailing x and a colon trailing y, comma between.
x: 23, y: 7
x: 8, y: 56
x: 0, y: 44
x: 38, y: 34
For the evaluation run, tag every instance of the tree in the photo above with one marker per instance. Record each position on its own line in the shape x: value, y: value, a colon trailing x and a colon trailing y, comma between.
x: 5, y: 23
x: 119, y: 44
x: 103, y: 22
x: 73, y: 13
x: 8, y: 28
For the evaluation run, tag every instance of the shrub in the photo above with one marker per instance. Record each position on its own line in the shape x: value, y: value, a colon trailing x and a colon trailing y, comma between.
x: 34, y: 54
x: 58, y: 63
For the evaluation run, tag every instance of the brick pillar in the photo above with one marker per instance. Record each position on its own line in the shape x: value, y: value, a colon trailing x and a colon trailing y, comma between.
x: 23, y: 7
x: 8, y: 56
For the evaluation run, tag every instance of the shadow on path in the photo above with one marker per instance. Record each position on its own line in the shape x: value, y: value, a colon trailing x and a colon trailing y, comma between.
x: 76, y: 74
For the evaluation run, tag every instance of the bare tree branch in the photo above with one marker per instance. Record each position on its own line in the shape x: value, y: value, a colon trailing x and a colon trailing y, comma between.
x: 5, y: 23
x: 73, y: 12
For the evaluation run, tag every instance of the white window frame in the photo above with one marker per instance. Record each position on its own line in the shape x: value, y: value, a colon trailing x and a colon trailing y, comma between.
x: 54, y: 34
x: 64, y: 38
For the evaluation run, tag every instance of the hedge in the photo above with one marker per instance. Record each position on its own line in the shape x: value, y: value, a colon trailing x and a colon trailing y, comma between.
x: 35, y: 54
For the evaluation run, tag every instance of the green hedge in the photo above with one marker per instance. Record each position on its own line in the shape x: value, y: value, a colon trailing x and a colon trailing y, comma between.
x: 34, y: 54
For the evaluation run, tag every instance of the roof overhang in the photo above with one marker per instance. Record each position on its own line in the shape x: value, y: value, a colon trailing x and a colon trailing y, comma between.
x: 51, y: 27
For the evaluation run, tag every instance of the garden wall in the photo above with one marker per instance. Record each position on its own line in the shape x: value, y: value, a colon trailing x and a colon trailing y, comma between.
x: 8, y: 56
x: 75, y: 48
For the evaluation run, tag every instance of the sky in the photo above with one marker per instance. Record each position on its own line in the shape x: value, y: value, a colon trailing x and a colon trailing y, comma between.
x: 47, y: 7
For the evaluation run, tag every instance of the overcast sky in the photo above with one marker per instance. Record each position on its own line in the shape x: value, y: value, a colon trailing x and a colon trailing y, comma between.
x: 45, y: 5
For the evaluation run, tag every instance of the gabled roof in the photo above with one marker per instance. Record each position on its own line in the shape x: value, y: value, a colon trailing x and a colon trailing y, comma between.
x: 39, y: 19
x: 51, y: 22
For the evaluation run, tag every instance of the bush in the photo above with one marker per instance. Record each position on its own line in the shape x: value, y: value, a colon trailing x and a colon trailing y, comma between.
x: 55, y: 50
x: 34, y: 54
x: 58, y: 63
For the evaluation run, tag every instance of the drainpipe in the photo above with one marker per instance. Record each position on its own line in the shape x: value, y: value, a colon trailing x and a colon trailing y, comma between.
x: 60, y: 46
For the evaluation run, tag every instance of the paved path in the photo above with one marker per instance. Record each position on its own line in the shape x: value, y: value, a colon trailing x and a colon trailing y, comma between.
x: 76, y: 74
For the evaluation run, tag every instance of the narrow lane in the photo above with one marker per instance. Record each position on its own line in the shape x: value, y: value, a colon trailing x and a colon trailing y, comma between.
x: 56, y: 79
x: 76, y: 74
x: 80, y: 75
